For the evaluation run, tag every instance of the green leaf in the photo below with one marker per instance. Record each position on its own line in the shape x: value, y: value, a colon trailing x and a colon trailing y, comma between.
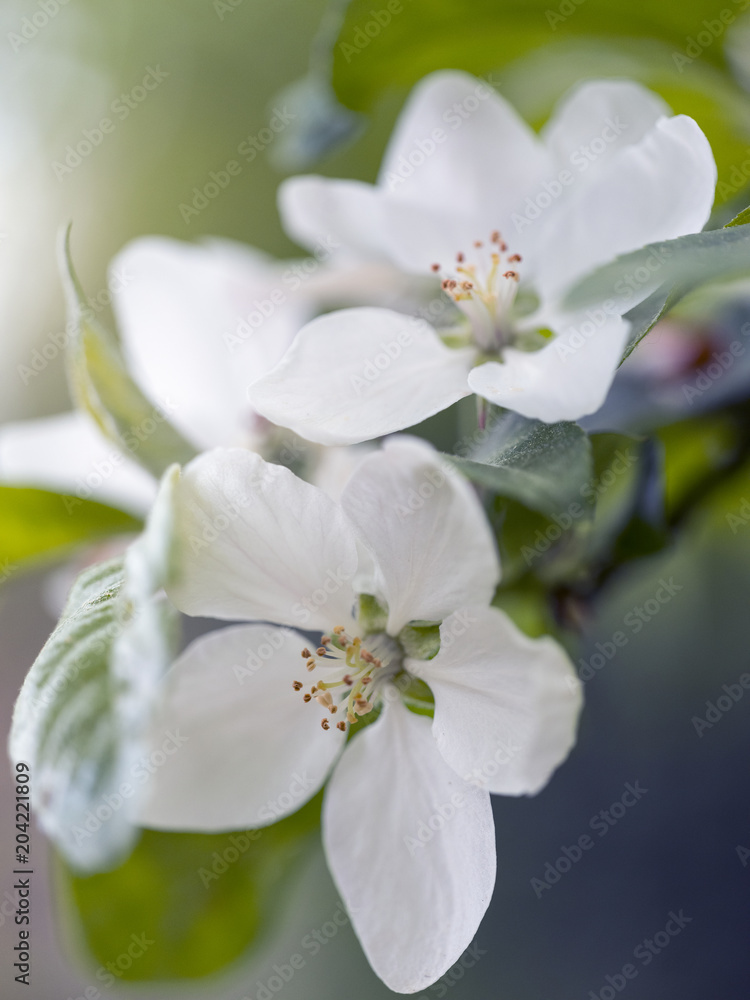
x: 541, y: 465
x: 647, y: 314
x: 81, y: 716
x: 680, y: 265
x: 102, y: 385
x: 36, y: 524
x: 201, y: 900
x: 740, y: 220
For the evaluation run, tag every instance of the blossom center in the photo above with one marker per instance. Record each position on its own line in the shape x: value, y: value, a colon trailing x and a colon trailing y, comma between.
x: 484, y: 285
x: 352, y: 673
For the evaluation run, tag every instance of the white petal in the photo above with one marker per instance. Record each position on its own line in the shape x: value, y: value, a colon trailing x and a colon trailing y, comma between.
x: 506, y: 706
x: 411, y: 848
x: 198, y: 323
x: 259, y: 543
x: 611, y: 114
x: 67, y: 454
x: 344, y: 214
x: 565, y: 380
x: 658, y: 189
x: 427, y: 531
x: 356, y: 374
x: 233, y: 745
x: 458, y: 143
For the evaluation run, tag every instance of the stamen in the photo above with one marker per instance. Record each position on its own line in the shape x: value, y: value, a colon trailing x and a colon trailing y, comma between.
x: 484, y: 288
x: 360, y: 667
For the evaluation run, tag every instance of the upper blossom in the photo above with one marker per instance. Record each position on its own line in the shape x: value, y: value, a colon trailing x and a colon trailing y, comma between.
x: 510, y: 221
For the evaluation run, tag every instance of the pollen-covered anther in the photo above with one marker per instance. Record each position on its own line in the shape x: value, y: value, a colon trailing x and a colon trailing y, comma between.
x: 310, y: 664
x: 515, y: 258
x: 306, y: 654
x: 341, y: 726
x: 346, y: 664
x: 297, y: 685
x: 307, y: 697
x: 325, y: 724
x: 511, y: 274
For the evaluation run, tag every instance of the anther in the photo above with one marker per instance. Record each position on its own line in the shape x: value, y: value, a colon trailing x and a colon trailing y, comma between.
x: 514, y: 258
x: 341, y: 726
x: 306, y: 654
x: 321, y: 651
x: 495, y: 236
x: 310, y: 664
x: 307, y: 697
x: 297, y: 685
x: 478, y: 244
x: 434, y: 267
x: 339, y: 630
x: 460, y: 257
x: 324, y: 724
x: 511, y: 274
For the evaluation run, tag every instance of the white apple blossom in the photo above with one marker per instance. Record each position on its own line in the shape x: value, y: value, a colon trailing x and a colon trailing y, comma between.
x: 510, y: 220
x: 408, y: 543
x: 197, y: 323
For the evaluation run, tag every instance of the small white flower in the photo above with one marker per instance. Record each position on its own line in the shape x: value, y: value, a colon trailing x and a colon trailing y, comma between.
x: 407, y: 824
x: 197, y: 323
x: 511, y: 221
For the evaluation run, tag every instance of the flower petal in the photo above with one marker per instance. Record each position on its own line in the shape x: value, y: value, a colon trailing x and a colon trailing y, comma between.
x: 565, y: 380
x: 459, y: 143
x: 198, y: 323
x: 657, y: 189
x: 506, y: 706
x: 596, y: 120
x: 411, y: 849
x: 259, y: 543
x: 319, y: 211
x: 356, y: 374
x: 233, y: 745
x: 425, y: 527
x: 67, y: 454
